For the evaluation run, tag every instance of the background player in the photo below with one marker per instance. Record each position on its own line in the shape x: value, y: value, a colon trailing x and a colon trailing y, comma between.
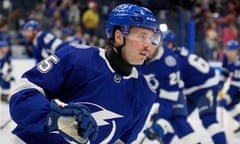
x: 5, y: 71
x: 163, y: 70
x: 5, y: 59
x: 96, y: 84
x: 231, y: 68
x: 201, y: 84
x: 43, y: 43
x: 68, y: 36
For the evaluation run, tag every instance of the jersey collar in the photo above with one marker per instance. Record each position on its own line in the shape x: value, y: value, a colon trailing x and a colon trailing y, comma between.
x: 132, y: 74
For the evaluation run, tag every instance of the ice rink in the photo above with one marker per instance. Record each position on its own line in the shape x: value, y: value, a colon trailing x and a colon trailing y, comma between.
x: 229, y: 124
x: 19, y: 65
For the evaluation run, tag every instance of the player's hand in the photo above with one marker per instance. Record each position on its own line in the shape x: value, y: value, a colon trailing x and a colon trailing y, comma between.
x: 220, y: 95
x: 154, y: 132
x: 73, y: 121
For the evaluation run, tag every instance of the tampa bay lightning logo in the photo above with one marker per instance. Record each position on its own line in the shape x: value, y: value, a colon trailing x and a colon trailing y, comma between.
x: 104, y: 117
x: 123, y: 8
x: 170, y: 61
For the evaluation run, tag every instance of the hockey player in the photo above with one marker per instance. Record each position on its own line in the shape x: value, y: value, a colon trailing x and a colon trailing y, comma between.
x: 171, y: 117
x: 5, y: 71
x: 68, y: 36
x: 81, y: 92
x: 231, y: 69
x: 5, y: 59
x: 43, y: 43
x: 200, y: 87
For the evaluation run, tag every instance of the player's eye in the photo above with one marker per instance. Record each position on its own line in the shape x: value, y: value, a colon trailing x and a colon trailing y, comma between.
x: 144, y: 38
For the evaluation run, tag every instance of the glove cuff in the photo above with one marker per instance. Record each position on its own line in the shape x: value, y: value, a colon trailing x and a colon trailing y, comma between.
x: 51, y: 121
x: 165, y: 125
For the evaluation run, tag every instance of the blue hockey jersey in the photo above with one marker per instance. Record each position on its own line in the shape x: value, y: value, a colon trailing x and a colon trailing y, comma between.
x: 44, y: 45
x: 164, y: 73
x: 232, y: 68
x: 4, y: 58
x: 5, y: 65
x: 119, y: 104
x: 74, y: 39
x: 196, y: 72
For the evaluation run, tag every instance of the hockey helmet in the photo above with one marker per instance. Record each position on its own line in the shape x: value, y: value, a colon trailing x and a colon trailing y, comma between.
x: 129, y: 15
x: 3, y: 44
x: 31, y: 25
x: 232, y: 45
x: 168, y: 37
x: 68, y: 31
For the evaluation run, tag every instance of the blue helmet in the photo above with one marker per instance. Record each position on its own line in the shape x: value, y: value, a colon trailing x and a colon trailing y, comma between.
x: 232, y: 45
x: 31, y: 25
x: 68, y: 31
x: 128, y: 15
x: 169, y: 37
x: 3, y: 44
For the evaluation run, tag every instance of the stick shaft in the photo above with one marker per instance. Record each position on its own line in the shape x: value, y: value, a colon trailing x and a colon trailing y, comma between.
x: 5, y: 124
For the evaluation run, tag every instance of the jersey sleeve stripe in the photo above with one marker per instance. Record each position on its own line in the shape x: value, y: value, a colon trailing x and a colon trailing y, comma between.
x: 26, y: 84
x: 173, y: 96
x: 214, y: 129
x: 210, y: 82
x: 56, y: 43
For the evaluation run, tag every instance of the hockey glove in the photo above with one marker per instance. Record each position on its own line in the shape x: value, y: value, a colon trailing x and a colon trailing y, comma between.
x: 73, y: 121
x: 154, y: 132
x: 222, y: 102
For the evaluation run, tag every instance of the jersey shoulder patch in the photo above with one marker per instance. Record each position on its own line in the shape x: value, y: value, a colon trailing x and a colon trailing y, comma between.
x: 170, y: 61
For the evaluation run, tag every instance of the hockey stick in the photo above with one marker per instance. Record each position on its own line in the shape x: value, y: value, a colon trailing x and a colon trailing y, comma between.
x: 222, y: 93
x: 225, y: 87
x: 143, y: 139
x: 5, y: 124
x: 153, y: 136
x: 160, y: 141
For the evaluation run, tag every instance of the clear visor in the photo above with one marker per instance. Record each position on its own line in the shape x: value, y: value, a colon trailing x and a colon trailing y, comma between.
x: 152, y: 40
x: 156, y: 38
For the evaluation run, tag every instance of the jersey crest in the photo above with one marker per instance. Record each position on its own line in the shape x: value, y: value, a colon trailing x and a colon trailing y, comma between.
x: 170, y: 61
x: 104, y: 117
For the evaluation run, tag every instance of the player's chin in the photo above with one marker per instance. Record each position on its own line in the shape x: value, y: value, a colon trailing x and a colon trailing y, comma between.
x: 139, y: 61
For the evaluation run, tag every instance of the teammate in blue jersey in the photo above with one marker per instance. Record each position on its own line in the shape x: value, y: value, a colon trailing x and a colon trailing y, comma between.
x: 231, y: 71
x: 68, y: 36
x: 4, y: 33
x: 162, y: 69
x: 5, y: 71
x: 85, y: 93
x: 43, y: 42
x: 200, y: 87
x: 5, y: 59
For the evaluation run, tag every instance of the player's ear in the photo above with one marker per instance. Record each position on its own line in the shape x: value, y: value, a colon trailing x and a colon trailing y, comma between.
x: 118, y: 37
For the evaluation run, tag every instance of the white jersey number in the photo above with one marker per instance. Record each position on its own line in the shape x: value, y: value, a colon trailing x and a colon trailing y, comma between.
x: 45, y: 65
x: 152, y: 82
x: 199, y: 63
x: 174, y: 78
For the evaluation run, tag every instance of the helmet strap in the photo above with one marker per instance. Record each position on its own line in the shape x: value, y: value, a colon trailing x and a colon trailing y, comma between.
x: 119, y: 48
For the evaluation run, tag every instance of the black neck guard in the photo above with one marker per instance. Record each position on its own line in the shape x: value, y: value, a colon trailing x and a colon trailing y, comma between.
x: 118, y: 63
